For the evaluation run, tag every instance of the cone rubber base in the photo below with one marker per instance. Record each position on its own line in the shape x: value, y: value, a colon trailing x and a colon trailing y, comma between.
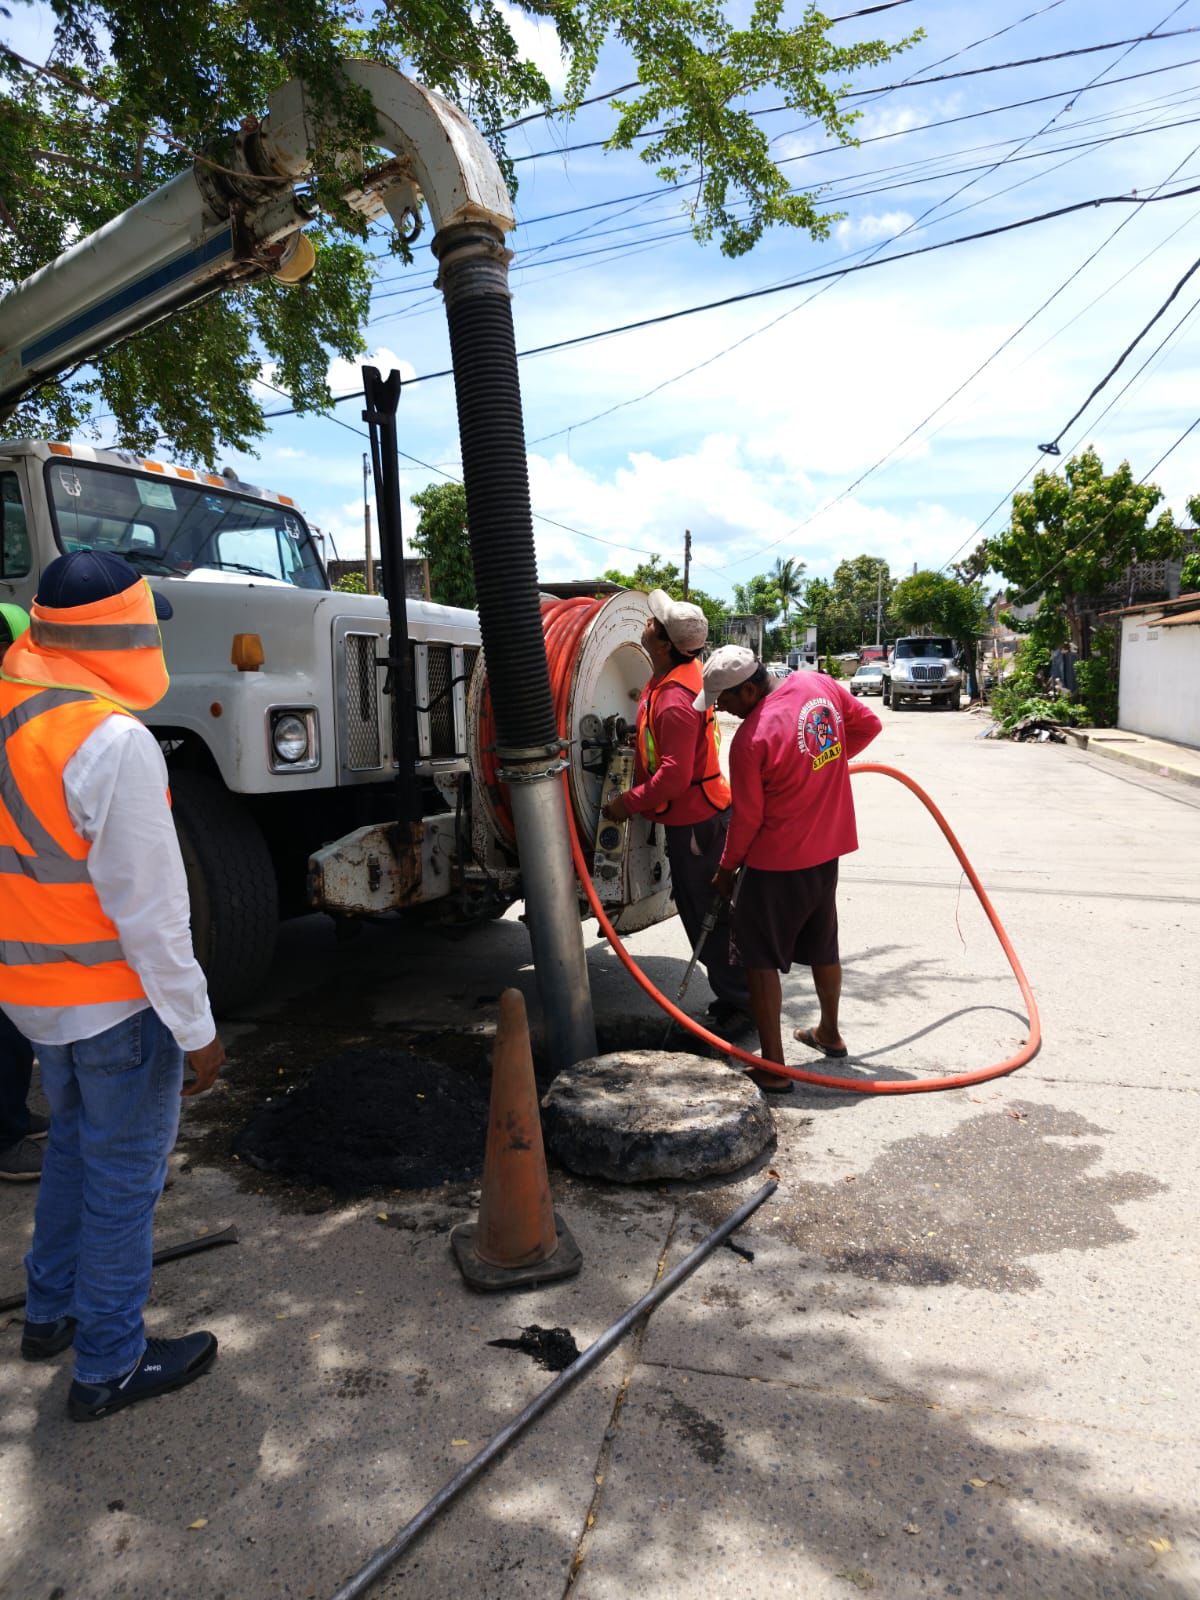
x: 564, y: 1263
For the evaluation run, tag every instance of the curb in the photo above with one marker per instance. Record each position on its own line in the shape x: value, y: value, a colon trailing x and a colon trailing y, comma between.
x: 1129, y: 758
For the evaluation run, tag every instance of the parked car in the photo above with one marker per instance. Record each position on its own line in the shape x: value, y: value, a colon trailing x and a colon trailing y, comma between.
x: 868, y: 679
x: 778, y: 669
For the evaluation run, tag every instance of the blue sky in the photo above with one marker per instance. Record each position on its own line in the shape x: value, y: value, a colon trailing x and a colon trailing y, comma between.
x: 758, y: 452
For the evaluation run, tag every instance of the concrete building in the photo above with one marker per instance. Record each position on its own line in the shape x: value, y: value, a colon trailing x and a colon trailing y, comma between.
x: 1160, y: 669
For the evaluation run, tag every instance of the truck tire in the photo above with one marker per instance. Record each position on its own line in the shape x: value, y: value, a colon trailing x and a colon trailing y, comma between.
x: 231, y: 886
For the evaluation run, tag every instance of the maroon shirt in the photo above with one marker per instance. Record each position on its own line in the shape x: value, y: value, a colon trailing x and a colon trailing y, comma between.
x: 788, y: 767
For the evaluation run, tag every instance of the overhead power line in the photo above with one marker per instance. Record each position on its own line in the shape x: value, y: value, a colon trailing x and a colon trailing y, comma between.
x: 1038, y: 582
x: 429, y: 466
x: 982, y: 367
x: 571, y: 107
x: 532, y: 259
x: 774, y: 322
x: 1053, y: 448
x: 800, y: 283
x: 891, y: 88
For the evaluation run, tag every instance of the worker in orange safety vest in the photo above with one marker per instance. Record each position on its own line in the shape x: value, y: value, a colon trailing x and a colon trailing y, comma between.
x: 97, y: 969
x: 678, y: 781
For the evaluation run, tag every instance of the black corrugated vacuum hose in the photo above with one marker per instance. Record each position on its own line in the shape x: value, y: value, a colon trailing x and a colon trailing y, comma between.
x: 474, y: 280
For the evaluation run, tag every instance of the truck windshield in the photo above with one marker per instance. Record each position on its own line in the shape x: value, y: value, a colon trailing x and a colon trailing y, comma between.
x: 942, y: 649
x: 167, y: 525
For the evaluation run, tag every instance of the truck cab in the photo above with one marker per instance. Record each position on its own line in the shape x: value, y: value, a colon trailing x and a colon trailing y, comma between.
x: 923, y: 671
x: 277, y: 727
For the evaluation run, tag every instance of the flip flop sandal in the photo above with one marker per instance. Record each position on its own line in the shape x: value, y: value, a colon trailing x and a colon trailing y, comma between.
x: 770, y: 1082
x: 807, y: 1036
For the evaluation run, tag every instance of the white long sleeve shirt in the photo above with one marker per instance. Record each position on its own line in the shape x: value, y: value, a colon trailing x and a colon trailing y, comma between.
x: 116, y: 792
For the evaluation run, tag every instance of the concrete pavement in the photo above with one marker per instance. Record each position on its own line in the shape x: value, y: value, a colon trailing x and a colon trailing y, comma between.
x: 961, y: 1362
x: 1160, y: 756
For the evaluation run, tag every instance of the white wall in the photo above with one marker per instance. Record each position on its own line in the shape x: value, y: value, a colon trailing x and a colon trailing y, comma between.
x: 1160, y: 679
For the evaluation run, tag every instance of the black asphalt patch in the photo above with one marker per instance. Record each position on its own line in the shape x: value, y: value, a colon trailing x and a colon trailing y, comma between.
x: 968, y: 1207
x: 372, y: 1120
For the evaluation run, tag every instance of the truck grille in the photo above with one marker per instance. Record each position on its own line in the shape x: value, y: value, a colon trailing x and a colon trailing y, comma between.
x: 924, y: 674
x: 362, y: 751
x: 441, y: 703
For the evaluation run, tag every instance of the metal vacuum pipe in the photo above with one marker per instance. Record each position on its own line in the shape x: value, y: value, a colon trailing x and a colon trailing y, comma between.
x: 474, y: 281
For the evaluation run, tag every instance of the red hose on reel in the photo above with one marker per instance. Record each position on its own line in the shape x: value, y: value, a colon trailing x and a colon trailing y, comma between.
x: 565, y: 622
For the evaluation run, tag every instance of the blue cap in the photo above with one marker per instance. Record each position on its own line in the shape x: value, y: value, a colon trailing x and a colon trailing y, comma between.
x: 85, y: 576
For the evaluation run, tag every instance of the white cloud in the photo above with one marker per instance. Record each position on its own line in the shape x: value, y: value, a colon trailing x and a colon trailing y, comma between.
x: 345, y: 377
x: 537, y: 42
x: 866, y: 230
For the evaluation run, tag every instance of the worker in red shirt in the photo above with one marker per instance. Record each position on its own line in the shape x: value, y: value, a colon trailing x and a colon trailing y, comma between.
x: 678, y: 781
x: 793, y: 817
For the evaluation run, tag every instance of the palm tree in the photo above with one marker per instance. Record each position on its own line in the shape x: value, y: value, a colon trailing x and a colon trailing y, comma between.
x: 788, y: 578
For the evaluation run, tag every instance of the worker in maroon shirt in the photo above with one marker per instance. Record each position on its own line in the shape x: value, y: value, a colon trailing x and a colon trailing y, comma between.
x: 793, y: 817
x: 678, y: 781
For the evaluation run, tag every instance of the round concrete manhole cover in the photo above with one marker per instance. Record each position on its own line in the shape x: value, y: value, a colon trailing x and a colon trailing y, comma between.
x: 640, y: 1114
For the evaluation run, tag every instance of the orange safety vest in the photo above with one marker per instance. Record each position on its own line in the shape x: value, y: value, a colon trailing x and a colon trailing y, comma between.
x: 60, y: 680
x: 711, y: 782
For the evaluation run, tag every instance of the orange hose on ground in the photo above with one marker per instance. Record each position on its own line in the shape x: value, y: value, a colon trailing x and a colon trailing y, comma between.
x: 565, y: 622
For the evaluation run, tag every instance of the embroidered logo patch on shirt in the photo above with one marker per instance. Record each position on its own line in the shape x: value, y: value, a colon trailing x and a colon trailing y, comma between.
x: 817, y: 732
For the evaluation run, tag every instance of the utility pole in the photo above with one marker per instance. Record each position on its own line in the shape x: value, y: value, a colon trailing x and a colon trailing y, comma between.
x: 878, y: 605
x: 687, y: 559
x: 367, y: 530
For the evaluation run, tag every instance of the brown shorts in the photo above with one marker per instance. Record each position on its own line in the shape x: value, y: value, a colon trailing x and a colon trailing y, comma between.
x: 781, y: 917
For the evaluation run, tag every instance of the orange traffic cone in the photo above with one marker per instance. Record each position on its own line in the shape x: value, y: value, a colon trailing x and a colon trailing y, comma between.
x: 519, y: 1238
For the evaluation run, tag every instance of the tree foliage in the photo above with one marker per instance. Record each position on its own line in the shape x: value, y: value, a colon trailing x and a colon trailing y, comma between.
x: 940, y: 604
x: 659, y: 574
x: 1189, y: 575
x: 1071, y: 536
x: 758, y: 597
x: 134, y: 89
x: 842, y: 609
x: 444, y: 539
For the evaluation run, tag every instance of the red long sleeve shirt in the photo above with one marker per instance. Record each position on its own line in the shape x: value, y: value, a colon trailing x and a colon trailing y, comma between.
x: 682, y: 751
x: 788, y: 768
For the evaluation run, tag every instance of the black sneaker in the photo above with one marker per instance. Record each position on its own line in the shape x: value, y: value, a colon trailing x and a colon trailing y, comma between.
x: 41, y: 1340
x: 39, y: 1127
x: 165, y: 1364
x: 21, y: 1162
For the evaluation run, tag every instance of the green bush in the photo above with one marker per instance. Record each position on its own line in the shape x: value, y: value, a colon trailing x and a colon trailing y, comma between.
x: 1189, y: 577
x: 1023, y: 692
x: 1096, y: 680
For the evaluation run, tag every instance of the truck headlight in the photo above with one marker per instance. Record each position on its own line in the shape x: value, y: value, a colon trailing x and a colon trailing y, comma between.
x: 294, y: 745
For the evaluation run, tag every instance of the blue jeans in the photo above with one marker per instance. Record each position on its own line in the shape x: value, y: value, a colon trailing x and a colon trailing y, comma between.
x: 114, y: 1113
x: 16, y: 1070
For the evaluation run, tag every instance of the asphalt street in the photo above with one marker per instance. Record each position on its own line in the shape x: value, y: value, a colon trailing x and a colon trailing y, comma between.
x: 961, y: 1362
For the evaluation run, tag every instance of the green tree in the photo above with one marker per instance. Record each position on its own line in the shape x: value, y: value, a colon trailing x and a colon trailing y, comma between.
x: 135, y: 90
x: 859, y: 585
x: 942, y: 605
x: 788, y: 578
x: 659, y: 574
x: 1071, y: 536
x: 1189, y: 576
x: 842, y: 609
x: 759, y: 597
x: 351, y: 583
x: 444, y: 539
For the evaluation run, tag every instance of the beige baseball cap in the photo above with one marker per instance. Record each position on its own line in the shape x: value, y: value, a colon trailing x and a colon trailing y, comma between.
x: 686, y: 624
x: 725, y: 669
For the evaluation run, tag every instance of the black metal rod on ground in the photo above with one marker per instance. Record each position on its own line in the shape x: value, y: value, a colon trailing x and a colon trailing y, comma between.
x: 171, y: 1252
x: 591, y: 1357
